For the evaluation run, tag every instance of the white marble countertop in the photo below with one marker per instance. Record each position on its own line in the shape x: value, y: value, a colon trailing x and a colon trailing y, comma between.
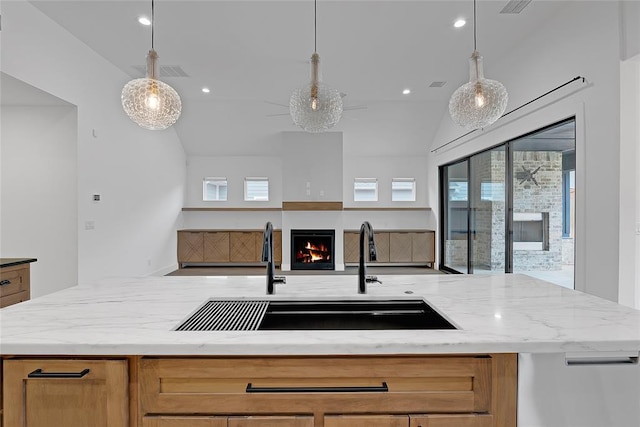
x: 136, y: 316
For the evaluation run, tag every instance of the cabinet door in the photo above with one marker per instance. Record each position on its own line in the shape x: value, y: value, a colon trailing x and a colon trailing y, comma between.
x: 216, y: 246
x: 366, y: 421
x: 187, y: 421
x: 351, y: 247
x: 45, y: 393
x: 400, y: 247
x: 268, y: 421
x: 190, y: 246
x: 451, y: 420
x: 382, y: 246
x: 277, y: 246
x: 422, y: 245
x: 242, y: 246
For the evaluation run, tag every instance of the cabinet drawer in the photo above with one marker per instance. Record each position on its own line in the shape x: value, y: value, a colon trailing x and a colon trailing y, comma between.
x: 13, y: 280
x: 298, y: 385
x: 451, y: 420
x: 184, y: 421
x: 8, y: 300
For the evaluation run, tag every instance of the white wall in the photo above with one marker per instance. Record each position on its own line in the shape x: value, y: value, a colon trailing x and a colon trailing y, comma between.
x: 139, y: 174
x: 629, y: 292
x: 583, y: 39
x: 39, y: 207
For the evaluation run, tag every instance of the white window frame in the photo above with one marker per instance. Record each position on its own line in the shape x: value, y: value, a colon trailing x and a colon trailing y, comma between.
x: 357, y: 181
x: 403, y: 180
x: 247, y: 182
x: 220, y: 179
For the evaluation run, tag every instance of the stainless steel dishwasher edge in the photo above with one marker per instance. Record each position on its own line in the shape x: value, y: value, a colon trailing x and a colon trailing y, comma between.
x: 578, y: 390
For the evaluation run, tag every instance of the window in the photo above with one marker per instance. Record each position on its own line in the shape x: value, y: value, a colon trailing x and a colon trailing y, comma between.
x: 256, y: 189
x: 214, y: 189
x: 365, y: 190
x: 458, y: 191
x: 403, y: 190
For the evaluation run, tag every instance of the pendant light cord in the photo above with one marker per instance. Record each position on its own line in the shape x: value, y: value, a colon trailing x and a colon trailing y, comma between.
x: 153, y: 21
x: 315, y: 25
x: 474, y: 27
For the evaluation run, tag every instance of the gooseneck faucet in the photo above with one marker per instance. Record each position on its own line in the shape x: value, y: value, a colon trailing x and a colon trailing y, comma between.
x: 363, y: 279
x: 267, y: 256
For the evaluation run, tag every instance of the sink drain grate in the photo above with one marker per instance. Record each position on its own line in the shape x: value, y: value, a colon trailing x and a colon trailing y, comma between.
x: 226, y: 316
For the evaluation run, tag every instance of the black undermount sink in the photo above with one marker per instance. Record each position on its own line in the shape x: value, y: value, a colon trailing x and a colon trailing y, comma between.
x: 274, y: 315
x: 352, y: 315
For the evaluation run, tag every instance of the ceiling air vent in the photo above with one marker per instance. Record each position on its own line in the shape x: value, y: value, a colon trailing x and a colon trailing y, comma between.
x: 515, y: 6
x: 165, y: 71
x: 437, y: 84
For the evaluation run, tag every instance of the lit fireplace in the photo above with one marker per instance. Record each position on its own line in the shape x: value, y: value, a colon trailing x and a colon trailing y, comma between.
x: 312, y: 249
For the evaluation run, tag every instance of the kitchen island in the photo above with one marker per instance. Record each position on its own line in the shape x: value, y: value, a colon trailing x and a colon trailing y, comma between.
x: 464, y: 377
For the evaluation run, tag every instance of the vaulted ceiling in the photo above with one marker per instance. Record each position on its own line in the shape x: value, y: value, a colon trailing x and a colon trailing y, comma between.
x: 252, y: 54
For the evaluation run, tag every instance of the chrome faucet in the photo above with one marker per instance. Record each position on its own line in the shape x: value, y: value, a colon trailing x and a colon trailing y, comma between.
x: 267, y: 256
x: 363, y: 279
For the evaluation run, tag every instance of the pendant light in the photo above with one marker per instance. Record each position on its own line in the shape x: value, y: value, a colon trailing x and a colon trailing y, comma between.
x: 152, y: 104
x: 480, y: 102
x: 315, y: 107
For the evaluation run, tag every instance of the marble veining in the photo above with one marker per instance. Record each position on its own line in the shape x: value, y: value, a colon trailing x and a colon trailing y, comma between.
x: 502, y: 313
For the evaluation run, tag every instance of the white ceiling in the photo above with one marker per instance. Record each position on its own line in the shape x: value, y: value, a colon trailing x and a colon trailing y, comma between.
x: 252, y: 54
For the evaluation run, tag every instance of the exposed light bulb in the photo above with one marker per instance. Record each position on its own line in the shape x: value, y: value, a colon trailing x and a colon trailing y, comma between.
x: 479, y: 98
x: 152, y: 101
x: 144, y: 20
x: 314, y: 95
x: 459, y: 23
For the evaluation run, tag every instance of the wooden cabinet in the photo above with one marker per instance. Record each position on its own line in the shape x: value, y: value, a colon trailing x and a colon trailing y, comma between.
x: 190, y: 246
x: 366, y: 421
x: 271, y: 421
x: 225, y: 246
x: 215, y: 246
x: 451, y: 420
x: 184, y: 421
x: 45, y: 393
x: 15, y: 284
x: 407, y: 247
x: 332, y: 391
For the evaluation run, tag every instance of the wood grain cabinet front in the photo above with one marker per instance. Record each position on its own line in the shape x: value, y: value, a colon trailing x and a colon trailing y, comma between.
x: 366, y: 421
x: 394, y: 246
x: 15, y: 284
x: 225, y: 246
x: 332, y: 391
x: 184, y: 421
x: 45, y: 393
x: 451, y: 420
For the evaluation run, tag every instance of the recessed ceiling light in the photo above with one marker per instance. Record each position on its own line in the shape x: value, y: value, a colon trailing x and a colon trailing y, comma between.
x: 144, y: 20
x: 206, y: 90
x: 406, y: 91
x: 459, y: 23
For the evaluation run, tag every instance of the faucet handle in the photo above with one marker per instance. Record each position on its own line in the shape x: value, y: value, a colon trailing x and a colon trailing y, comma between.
x: 372, y: 279
x: 279, y: 279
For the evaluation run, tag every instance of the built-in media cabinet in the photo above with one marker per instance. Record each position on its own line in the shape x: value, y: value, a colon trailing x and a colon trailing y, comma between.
x: 394, y: 246
x: 225, y: 246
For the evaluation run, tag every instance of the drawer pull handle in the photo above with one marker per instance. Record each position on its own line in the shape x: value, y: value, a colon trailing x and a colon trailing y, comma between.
x: 358, y: 389
x: 5, y: 282
x: 601, y: 361
x: 39, y: 374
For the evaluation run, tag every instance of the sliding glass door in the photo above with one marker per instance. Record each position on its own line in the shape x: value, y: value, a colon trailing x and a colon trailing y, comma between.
x: 455, y: 188
x: 487, y: 210
x: 512, y: 208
